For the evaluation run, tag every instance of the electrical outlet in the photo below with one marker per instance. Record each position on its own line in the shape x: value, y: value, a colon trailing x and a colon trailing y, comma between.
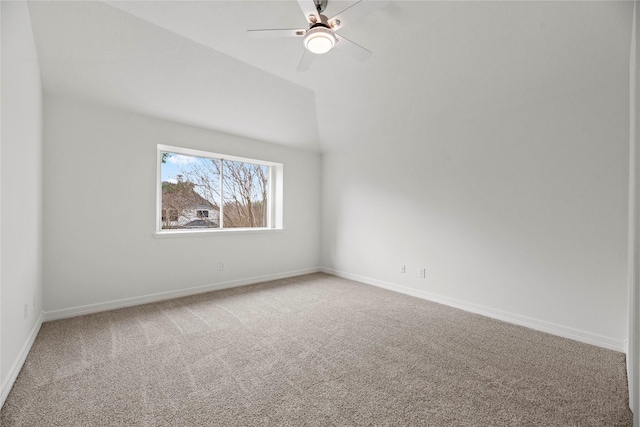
x: 403, y: 268
x: 26, y: 311
x: 222, y: 265
x: 423, y: 273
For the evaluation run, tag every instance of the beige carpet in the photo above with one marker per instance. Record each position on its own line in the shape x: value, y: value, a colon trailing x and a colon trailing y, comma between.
x: 311, y: 351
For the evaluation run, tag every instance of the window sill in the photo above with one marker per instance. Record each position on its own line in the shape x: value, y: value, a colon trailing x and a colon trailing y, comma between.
x: 168, y: 234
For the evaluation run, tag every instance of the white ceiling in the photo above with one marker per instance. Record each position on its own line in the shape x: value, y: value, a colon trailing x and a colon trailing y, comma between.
x: 192, y: 62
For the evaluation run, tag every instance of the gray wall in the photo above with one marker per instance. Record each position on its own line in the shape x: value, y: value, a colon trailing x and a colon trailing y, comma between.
x: 100, y: 170
x: 507, y: 181
x: 21, y: 189
x: 633, y: 354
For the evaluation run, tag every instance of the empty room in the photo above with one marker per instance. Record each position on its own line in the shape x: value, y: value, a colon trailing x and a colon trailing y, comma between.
x: 319, y: 213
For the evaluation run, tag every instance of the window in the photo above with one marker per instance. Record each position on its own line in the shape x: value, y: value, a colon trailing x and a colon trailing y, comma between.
x: 201, y: 190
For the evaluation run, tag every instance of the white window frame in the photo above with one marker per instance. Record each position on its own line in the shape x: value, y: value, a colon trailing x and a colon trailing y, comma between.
x: 274, y: 201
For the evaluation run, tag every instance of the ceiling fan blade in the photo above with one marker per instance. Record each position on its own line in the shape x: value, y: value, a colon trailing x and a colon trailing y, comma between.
x: 305, y: 61
x: 357, y: 11
x: 308, y: 8
x: 285, y: 32
x: 352, y: 48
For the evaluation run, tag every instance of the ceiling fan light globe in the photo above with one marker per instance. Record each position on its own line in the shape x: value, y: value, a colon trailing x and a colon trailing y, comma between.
x: 319, y: 40
x: 319, y: 44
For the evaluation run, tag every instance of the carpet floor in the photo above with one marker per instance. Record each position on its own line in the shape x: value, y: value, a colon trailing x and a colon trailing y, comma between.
x: 314, y: 350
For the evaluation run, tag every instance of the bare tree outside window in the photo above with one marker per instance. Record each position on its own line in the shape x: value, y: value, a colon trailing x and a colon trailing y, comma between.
x: 216, y: 193
x: 245, y: 194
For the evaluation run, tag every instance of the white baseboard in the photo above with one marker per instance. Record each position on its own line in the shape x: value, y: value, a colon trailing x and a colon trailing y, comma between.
x: 538, y: 325
x: 12, y: 376
x: 145, y: 299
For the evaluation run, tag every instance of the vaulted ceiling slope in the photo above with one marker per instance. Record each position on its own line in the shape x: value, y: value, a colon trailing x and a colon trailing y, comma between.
x: 192, y: 62
x: 94, y: 52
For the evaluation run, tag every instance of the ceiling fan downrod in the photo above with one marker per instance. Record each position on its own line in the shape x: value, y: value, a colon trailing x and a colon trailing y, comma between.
x: 321, y: 5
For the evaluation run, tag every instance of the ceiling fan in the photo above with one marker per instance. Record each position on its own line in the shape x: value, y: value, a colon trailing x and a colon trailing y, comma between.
x: 321, y: 36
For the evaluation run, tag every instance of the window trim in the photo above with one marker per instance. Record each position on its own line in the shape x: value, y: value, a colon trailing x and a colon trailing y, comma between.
x: 274, y: 202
